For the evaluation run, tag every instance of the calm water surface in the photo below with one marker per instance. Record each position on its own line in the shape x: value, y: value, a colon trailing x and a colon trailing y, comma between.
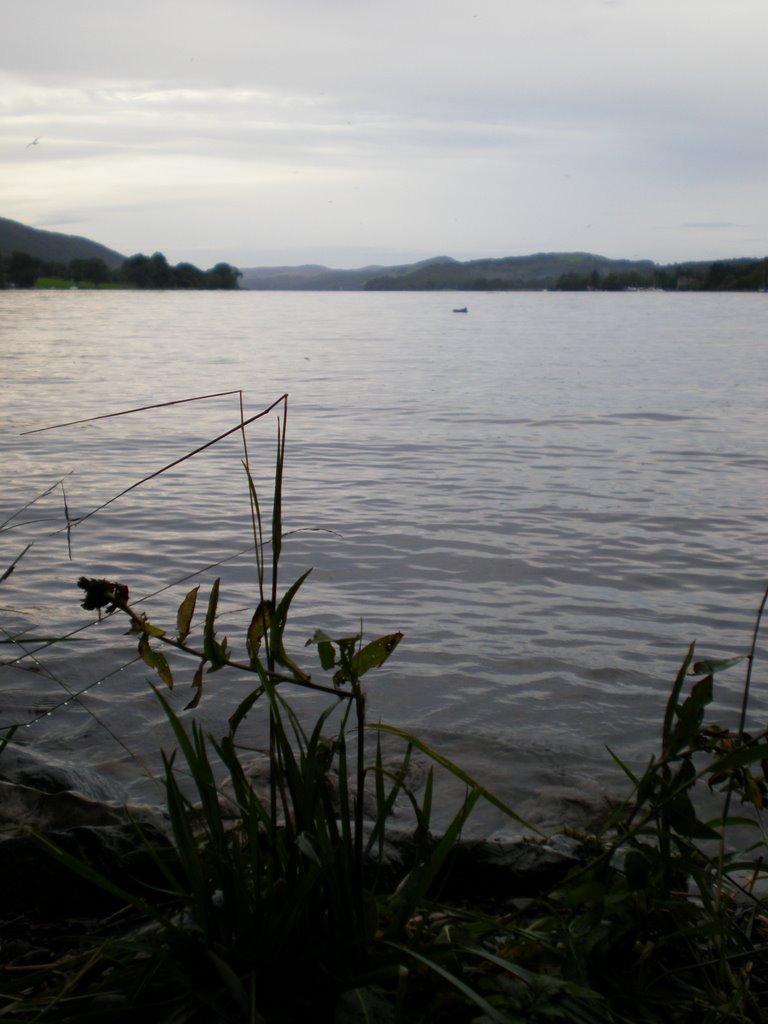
x: 551, y: 497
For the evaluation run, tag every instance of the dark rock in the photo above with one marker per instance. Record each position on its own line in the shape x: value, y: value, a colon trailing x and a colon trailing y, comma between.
x: 39, y: 885
x: 53, y: 793
x: 481, y: 871
x: 26, y: 806
x: 82, y: 815
x: 21, y: 765
x: 501, y: 871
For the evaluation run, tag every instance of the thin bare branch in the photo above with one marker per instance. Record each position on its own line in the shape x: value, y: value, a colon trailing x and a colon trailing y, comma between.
x: 127, y: 412
x: 177, y: 462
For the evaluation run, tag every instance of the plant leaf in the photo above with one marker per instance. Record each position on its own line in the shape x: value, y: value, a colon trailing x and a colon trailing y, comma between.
x: 215, y: 652
x: 156, y: 660
x: 690, y: 715
x: 277, y: 627
x: 669, y: 714
x: 371, y: 656
x: 197, y: 685
x: 739, y: 758
x: 185, y: 613
x: 704, y: 668
x: 325, y: 648
x: 260, y: 623
x: 327, y: 653
x: 752, y: 790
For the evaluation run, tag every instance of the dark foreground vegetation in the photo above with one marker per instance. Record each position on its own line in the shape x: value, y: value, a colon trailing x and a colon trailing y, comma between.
x: 281, y: 905
x: 22, y: 270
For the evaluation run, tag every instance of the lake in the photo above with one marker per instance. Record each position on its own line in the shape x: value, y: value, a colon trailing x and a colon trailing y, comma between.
x: 551, y: 496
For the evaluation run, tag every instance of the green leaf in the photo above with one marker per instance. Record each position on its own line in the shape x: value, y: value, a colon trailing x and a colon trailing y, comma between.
x: 739, y: 758
x: 185, y: 613
x: 209, y: 633
x: 701, y: 668
x: 327, y: 653
x: 752, y: 790
x: 197, y: 685
x: 325, y: 648
x: 241, y: 711
x: 260, y: 623
x: 277, y: 626
x: 690, y: 716
x: 221, y: 657
x: 669, y: 714
x: 636, y: 869
x: 280, y: 616
x: 215, y: 652
x: 371, y: 656
x: 155, y: 660
x: 682, y: 818
x: 143, y: 627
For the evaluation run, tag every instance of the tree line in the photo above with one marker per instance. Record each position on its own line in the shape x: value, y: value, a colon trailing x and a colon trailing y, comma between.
x: 21, y: 270
x: 723, y: 276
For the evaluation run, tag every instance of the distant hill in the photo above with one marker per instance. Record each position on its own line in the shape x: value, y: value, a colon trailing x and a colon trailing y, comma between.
x: 541, y: 270
x: 312, y: 277
x: 544, y: 270
x: 570, y: 271
x: 53, y: 246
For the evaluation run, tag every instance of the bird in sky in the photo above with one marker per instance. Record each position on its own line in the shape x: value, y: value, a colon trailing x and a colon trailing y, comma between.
x: 34, y: 142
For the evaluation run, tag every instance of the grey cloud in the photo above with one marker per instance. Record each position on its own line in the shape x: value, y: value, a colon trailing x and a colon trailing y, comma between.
x: 344, y: 124
x: 711, y: 225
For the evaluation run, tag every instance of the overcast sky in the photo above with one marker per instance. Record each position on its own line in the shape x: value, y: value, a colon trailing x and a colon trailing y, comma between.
x: 349, y: 132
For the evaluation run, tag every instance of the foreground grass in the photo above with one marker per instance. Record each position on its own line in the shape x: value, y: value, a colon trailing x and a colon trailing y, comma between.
x: 283, y: 905
x: 282, y: 911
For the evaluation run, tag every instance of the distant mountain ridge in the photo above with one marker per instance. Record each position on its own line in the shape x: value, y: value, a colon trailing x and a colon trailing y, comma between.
x: 543, y: 270
x: 540, y: 270
x: 570, y: 271
x: 312, y: 277
x: 53, y: 246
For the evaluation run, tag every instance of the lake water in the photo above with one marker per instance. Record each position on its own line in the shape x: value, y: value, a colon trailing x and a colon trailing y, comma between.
x: 550, y: 496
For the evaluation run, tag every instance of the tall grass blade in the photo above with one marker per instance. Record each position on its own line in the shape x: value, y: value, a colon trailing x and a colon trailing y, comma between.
x: 751, y: 662
x: 14, y: 563
x: 458, y: 772
x: 177, y: 462
x: 469, y: 993
x: 421, y: 879
x: 672, y: 702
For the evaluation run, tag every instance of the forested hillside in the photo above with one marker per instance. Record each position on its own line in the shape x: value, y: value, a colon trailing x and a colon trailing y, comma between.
x: 32, y: 258
x: 46, y: 259
x: 52, y: 246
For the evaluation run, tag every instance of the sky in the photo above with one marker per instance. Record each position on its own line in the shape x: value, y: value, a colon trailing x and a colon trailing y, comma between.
x: 353, y: 132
